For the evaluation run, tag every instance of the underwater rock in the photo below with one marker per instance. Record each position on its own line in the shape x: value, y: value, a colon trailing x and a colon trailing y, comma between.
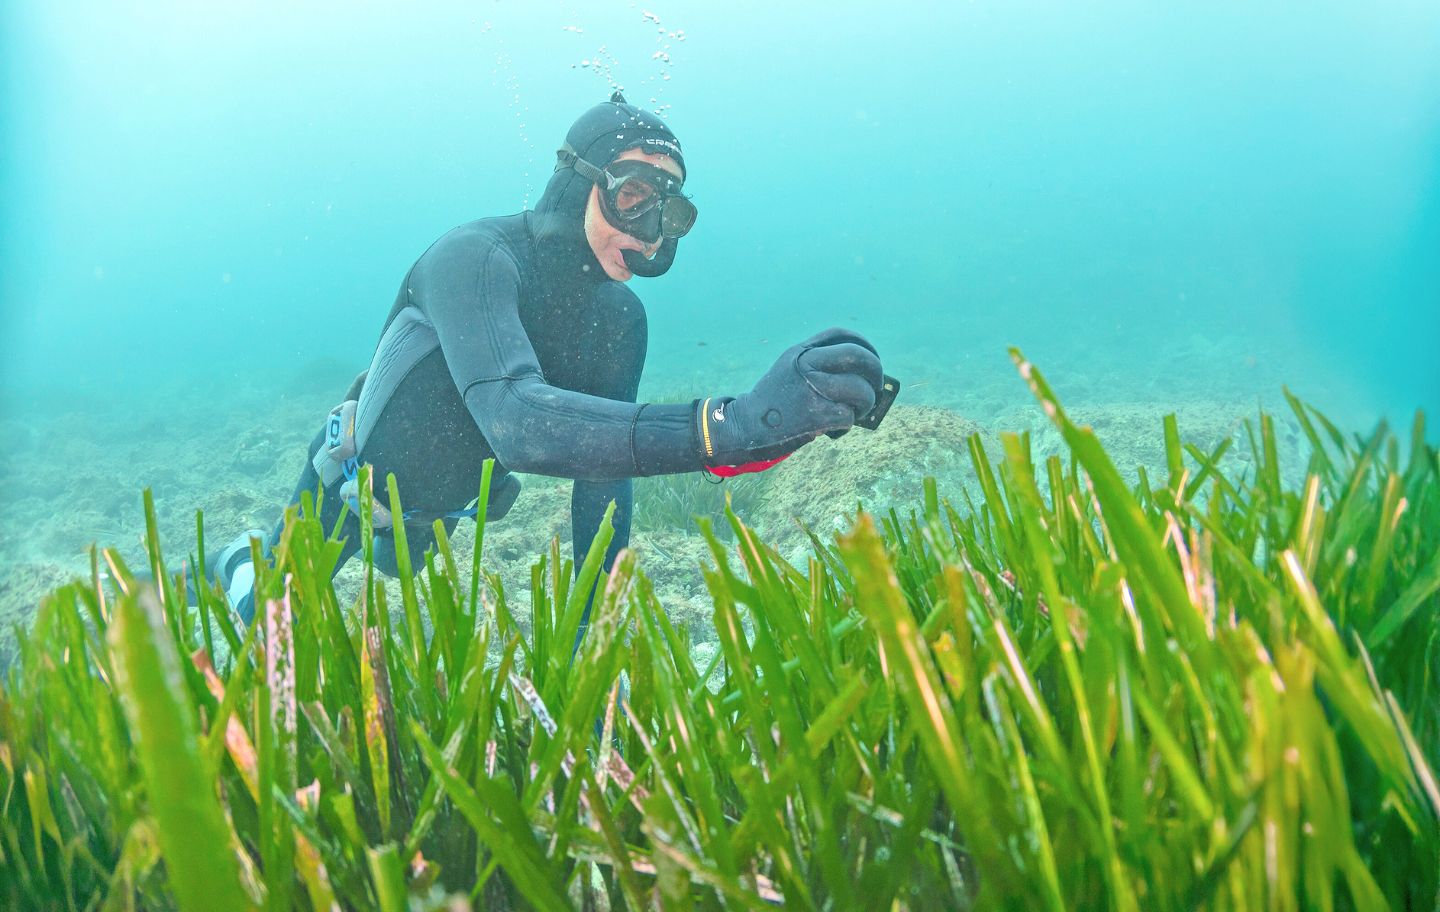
x: 821, y: 484
x: 1133, y: 433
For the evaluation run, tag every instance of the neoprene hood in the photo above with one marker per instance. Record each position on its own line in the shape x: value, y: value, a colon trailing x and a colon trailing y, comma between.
x: 598, y: 136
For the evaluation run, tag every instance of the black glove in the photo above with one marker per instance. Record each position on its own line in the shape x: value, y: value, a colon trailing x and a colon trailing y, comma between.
x: 817, y: 387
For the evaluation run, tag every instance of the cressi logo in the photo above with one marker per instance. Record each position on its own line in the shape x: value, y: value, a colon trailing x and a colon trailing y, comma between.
x: 665, y: 144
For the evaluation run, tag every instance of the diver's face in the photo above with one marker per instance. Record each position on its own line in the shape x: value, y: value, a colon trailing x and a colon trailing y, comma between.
x: 609, y: 243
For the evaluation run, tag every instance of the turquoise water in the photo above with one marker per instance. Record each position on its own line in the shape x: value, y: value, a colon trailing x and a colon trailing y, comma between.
x: 1157, y: 202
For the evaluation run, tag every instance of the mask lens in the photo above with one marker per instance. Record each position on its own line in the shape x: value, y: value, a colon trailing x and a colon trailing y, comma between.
x: 635, y: 197
x: 677, y: 217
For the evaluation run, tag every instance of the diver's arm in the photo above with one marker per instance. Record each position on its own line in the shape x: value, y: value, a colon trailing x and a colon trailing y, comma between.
x: 470, y: 288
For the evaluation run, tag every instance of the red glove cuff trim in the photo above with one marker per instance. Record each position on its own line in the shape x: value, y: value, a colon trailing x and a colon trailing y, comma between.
x: 745, y: 468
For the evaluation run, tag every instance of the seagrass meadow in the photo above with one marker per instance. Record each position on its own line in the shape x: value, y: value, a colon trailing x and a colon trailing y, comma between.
x: 1204, y: 690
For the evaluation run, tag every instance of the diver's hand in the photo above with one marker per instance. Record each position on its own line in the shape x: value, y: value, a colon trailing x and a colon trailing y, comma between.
x: 817, y: 387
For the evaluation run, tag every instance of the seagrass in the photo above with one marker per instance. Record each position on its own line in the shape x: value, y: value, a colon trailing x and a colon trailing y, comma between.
x: 1209, y: 691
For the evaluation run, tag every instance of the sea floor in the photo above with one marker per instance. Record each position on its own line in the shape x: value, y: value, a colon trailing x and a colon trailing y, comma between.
x: 75, y: 474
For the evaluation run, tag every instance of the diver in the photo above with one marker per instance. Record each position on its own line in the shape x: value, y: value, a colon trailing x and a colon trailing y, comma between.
x: 516, y: 338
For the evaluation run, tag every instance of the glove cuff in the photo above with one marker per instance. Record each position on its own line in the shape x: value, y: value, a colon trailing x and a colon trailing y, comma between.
x: 709, y: 427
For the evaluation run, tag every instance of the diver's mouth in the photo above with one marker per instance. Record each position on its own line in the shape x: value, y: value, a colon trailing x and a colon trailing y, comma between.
x: 619, y: 258
x: 630, y: 244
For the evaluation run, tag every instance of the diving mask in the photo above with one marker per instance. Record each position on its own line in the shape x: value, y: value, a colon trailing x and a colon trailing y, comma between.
x: 640, y: 199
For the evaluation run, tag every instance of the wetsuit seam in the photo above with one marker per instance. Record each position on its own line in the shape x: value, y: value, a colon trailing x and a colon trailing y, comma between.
x: 509, y: 378
x: 488, y: 314
x: 634, y: 429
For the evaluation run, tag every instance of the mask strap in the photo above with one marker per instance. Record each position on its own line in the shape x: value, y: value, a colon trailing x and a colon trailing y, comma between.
x: 565, y: 157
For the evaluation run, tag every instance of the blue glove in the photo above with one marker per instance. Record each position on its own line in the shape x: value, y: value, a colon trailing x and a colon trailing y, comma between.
x: 817, y: 387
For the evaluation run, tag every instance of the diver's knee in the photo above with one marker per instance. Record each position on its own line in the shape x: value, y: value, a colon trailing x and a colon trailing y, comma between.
x: 503, y: 492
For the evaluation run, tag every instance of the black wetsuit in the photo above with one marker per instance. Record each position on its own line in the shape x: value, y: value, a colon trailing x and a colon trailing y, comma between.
x: 507, y: 340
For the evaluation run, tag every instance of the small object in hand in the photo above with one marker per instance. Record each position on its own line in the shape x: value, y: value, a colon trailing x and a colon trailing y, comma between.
x: 889, y: 389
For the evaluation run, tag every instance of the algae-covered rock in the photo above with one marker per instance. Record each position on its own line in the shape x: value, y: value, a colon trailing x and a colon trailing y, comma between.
x: 1133, y: 434
x: 822, y: 482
